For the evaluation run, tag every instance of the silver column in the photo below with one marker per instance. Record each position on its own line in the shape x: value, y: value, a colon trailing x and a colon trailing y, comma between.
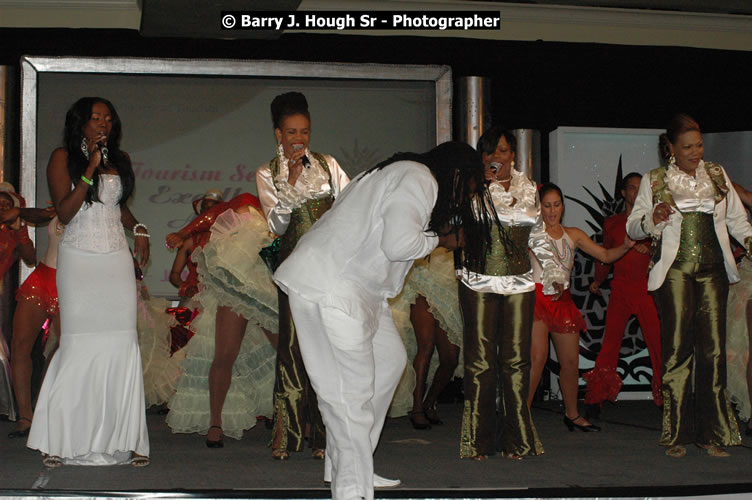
x: 524, y: 157
x: 472, y: 108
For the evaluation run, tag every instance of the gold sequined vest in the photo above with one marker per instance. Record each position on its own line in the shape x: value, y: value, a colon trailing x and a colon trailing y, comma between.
x: 698, y: 242
x: 507, y: 257
x: 303, y: 217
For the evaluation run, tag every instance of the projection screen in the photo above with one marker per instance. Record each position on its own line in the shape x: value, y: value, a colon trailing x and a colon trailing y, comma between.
x: 190, y: 125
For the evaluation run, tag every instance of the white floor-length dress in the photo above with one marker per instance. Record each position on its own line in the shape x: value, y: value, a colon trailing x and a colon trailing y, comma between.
x: 91, y: 408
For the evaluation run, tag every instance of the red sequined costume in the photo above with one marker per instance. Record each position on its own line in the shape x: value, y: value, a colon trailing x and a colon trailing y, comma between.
x: 629, y: 296
x: 40, y: 286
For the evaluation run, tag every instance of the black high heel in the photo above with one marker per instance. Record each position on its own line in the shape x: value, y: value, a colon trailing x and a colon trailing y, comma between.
x: 432, y: 415
x: 570, y: 423
x: 219, y: 443
x: 416, y: 425
x: 23, y: 433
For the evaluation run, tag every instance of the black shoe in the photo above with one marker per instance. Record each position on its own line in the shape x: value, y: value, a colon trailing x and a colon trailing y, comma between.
x: 416, y: 425
x: 570, y: 423
x: 19, y: 434
x: 748, y: 430
x: 219, y: 443
x: 23, y: 433
x: 433, y: 420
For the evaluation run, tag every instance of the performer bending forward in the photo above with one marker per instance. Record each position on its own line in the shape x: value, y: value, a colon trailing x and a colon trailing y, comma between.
x: 386, y: 218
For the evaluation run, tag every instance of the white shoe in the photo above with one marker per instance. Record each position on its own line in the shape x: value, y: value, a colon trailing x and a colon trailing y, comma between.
x: 384, y: 483
x: 378, y: 482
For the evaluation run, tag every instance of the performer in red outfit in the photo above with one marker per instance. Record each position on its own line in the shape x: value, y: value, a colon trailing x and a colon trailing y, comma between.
x: 188, y: 287
x: 629, y: 296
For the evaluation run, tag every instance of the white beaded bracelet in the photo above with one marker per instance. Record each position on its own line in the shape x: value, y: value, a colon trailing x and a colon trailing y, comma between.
x: 135, y: 228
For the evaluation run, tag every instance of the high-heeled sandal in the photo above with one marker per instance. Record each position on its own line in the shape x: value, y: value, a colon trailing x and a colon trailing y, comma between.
x: 511, y: 456
x: 20, y: 433
x: 280, y: 454
x: 219, y: 443
x: 52, y: 461
x: 676, y: 451
x: 418, y: 425
x: 139, y: 460
x: 478, y: 458
x: 318, y: 453
x: 570, y: 423
x: 713, y: 450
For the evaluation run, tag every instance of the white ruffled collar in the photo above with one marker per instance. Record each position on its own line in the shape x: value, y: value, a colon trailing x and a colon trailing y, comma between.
x: 683, y: 185
x: 520, y: 189
x: 313, y: 183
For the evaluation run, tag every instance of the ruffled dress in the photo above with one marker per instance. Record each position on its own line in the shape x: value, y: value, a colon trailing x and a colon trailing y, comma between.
x: 737, y: 340
x: 161, y: 369
x: 435, y: 280
x: 231, y: 273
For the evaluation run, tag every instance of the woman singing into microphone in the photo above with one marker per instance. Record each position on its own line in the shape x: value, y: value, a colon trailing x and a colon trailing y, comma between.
x: 295, y: 188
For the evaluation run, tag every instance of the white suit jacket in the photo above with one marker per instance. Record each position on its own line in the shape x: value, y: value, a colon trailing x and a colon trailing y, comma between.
x: 728, y: 213
x: 359, y: 252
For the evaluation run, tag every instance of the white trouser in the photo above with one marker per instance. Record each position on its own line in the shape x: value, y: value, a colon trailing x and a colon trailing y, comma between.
x: 354, y: 371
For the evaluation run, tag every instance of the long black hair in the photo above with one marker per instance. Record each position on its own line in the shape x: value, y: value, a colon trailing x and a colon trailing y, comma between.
x: 76, y: 119
x: 462, y: 200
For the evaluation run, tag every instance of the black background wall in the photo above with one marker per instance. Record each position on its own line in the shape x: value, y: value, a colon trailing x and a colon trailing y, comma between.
x: 539, y: 85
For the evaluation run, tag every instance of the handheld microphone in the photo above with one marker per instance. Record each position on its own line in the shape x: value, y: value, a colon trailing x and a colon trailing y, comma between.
x: 494, y: 166
x: 103, y: 148
x: 304, y: 159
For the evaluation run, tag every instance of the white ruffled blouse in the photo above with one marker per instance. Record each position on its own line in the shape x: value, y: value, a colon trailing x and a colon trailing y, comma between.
x: 518, y: 206
x: 278, y: 198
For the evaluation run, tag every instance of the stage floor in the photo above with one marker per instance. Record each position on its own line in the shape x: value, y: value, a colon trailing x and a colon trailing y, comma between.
x: 622, y: 460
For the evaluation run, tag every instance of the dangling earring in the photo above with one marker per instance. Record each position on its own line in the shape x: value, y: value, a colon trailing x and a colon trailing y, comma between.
x: 84, y: 147
x: 672, y: 161
x: 512, y: 164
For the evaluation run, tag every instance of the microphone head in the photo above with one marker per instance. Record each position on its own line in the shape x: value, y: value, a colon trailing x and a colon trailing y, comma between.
x: 297, y: 147
x: 495, y: 166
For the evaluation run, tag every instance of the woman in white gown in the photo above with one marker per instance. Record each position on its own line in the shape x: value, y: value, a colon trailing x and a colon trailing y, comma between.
x: 91, y: 406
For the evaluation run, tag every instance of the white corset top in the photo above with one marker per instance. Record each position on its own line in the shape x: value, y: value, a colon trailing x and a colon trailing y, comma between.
x: 97, y: 227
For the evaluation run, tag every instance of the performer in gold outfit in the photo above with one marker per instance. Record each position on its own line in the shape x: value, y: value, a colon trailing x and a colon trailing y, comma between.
x: 295, y: 189
x: 689, y: 208
x: 497, y: 301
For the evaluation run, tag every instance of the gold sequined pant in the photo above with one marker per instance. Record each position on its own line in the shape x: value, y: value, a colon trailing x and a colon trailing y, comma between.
x: 691, y: 305
x: 497, y: 335
x: 295, y: 403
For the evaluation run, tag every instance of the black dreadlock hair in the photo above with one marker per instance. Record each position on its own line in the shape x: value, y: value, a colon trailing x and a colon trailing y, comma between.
x: 462, y: 201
